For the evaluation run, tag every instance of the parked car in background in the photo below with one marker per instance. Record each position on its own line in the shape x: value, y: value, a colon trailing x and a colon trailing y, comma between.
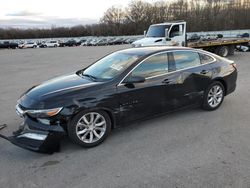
x: 244, y: 35
x: 28, y: 45
x: 94, y: 42
x: 193, y: 38
x: 209, y: 37
x: 243, y: 48
x: 125, y: 86
x: 116, y: 41
x: 81, y: 41
x: 129, y: 41
x: 61, y: 43
x: 52, y: 43
x: 102, y: 42
x: 7, y: 44
x: 71, y: 43
x: 87, y: 42
x: 220, y: 36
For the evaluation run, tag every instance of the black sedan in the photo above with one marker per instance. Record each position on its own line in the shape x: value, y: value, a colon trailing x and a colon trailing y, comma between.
x: 7, y: 44
x: 124, y: 86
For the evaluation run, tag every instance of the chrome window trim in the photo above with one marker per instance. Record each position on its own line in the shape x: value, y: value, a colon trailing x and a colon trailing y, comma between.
x: 197, y: 51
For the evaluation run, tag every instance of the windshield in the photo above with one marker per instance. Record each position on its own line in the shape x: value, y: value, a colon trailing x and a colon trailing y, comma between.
x: 110, y: 66
x: 157, y: 30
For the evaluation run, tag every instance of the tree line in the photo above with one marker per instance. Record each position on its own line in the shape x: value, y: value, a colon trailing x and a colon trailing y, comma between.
x: 201, y: 15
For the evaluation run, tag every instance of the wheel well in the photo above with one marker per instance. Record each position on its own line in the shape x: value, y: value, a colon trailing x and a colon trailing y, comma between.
x: 223, y: 83
x: 111, y: 116
x: 112, y: 119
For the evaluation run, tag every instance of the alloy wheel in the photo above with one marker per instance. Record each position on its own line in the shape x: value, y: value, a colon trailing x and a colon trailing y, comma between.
x: 91, y: 127
x: 215, y: 96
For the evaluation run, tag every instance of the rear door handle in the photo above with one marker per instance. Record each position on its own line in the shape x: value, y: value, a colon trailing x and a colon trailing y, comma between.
x: 204, y: 71
x: 167, y: 81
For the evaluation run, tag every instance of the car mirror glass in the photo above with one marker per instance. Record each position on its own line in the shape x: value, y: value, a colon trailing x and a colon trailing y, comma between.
x: 134, y: 79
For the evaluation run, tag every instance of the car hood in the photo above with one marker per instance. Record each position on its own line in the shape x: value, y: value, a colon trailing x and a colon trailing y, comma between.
x: 148, y: 41
x: 59, y: 86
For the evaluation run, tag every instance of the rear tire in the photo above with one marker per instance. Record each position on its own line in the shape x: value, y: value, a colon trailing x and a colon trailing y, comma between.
x: 213, y: 96
x: 89, y: 128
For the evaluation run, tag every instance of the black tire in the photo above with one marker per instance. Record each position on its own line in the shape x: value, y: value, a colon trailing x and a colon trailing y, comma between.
x: 34, y: 46
x: 222, y: 51
x: 205, y: 104
x: 231, y: 50
x: 72, y: 126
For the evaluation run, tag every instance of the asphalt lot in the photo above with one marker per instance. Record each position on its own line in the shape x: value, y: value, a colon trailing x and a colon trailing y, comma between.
x: 191, y: 148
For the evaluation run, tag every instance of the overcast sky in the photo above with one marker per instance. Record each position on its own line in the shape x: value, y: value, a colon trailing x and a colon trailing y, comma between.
x: 45, y: 13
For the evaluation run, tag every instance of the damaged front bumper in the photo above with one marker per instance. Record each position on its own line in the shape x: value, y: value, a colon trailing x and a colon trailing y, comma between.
x: 38, y: 137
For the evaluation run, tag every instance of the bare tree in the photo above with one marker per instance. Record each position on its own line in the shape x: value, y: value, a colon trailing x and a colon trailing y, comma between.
x: 201, y: 15
x: 114, y: 17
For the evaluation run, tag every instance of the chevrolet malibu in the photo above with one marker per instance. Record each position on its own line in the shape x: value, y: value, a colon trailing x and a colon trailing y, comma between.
x: 122, y: 87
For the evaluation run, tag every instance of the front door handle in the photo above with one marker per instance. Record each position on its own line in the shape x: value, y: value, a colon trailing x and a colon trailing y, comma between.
x: 204, y: 71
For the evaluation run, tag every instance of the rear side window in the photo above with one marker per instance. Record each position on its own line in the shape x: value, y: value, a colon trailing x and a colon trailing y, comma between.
x: 153, y: 66
x: 186, y: 59
x: 205, y: 58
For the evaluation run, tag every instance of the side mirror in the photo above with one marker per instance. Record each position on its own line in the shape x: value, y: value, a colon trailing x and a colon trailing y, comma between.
x: 145, y: 33
x: 167, y: 35
x: 134, y: 79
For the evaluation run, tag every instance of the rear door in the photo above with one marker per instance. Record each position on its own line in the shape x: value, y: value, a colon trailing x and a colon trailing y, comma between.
x: 192, y: 76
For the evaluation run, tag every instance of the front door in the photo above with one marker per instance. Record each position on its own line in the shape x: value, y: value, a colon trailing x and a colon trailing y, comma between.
x: 140, y: 100
x: 177, y: 35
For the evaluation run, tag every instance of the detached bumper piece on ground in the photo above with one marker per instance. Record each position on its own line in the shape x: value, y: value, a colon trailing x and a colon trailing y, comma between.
x: 32, y: 136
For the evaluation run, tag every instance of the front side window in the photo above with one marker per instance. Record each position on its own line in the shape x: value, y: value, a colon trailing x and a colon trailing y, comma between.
x: 186, y: 59
x: 153, y: 66
x: 175, y: 31
x: 110, y: 66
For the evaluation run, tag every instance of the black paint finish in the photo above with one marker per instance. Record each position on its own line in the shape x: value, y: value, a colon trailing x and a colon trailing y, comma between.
x: 123, y: 102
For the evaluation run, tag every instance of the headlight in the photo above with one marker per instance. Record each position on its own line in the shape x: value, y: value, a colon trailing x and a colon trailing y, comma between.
x: 44, y: 113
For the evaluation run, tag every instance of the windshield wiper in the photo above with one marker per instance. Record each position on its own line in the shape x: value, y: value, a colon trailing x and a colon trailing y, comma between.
x: 90, y: 76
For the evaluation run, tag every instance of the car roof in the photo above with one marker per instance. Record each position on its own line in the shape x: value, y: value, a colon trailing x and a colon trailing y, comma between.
x: 149, y: 50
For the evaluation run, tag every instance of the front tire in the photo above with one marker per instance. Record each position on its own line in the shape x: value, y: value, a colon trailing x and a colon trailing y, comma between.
x: 213, y: 96
x: 89, y: 129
